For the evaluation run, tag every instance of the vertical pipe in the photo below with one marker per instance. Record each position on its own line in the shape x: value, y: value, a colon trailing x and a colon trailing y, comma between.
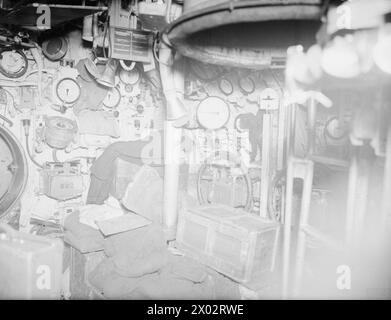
x: 173, y: 88
x: 308, y: 171
x: 287, y: 229
x: 281, y: 136
x: 386, y: 205
x: 265, y: 172
x: 291, y: 131
x: 311, y: 126
x: 172, y: 139
x: 351, y: 197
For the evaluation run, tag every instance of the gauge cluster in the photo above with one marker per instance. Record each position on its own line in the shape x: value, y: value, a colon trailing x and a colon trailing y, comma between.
x: 221, y: 97
x: 63, y: 117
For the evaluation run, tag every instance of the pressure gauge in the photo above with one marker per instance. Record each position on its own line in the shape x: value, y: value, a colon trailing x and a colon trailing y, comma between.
x: 226, y: 86
x: 128, y: 88
x: 247, y: 85
x: 130, y: 77
x: 13, y: 63
x: 68, y: 90
x: 112, y: 98
x: 335, y: 129
x: 213, y: 113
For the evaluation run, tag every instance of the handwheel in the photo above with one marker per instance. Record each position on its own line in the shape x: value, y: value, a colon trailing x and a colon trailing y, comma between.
x: 230, y: 173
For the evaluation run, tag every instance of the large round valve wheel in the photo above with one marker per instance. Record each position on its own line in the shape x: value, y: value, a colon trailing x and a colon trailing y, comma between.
x: 13, y: 171
x: 225, y: 182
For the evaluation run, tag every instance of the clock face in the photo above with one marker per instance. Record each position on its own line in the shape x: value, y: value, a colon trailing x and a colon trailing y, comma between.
x: 130, y: 77
x: 68, y: 90
x: 13, y: 63
x: 336, y: 129
x: 112, y: 98
x: 213, y: 113
x: 247, y: 85
x: 226, y: 86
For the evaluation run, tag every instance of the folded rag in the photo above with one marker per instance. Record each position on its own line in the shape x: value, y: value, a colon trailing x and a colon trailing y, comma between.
x: 182, y: 267
x: 92, y: 213
x: 147, y: 204
x: 102, y: 174
x: 165, y: 287
x: 80, y: 236
x: 138, y: 252
x: 84, y: 244
x: 109, y: 283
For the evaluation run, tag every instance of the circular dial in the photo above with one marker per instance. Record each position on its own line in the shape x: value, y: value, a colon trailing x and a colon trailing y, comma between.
x: 334, y: 129
x: 226, y: 86
x: 238, y: 124
x: 130, y: 77
x: 247, y: 85
x: 213, y: 113
x: 68, y: 90
x: 13, y: 63
x: 112, y: 98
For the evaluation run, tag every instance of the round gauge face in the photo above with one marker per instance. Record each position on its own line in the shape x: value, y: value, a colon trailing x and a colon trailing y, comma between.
x: 130, y: 77
x: 112, y: 98
x: 13, y: 63
x: 247, y: 85
x: 128, y: 88
x: 68, y: 90
x: 335, y: 129
x: 213, y: 113
x: 140, y: 109
x: 238, y: 124
x: 5, y: 173
x: 226, y: 86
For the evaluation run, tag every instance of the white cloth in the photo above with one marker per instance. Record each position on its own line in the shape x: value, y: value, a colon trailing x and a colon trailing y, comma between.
x: 91, y: 213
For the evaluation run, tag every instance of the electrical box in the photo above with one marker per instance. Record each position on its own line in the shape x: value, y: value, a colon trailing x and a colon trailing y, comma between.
x: 131, y: 44
x: 240, y: 245
x: 61, y: 180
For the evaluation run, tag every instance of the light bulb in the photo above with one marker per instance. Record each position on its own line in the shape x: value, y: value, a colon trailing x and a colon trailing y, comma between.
x: 340, y: 59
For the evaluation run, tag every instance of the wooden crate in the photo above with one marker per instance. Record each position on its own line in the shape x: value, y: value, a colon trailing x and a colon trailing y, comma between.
x: 239, y: 245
